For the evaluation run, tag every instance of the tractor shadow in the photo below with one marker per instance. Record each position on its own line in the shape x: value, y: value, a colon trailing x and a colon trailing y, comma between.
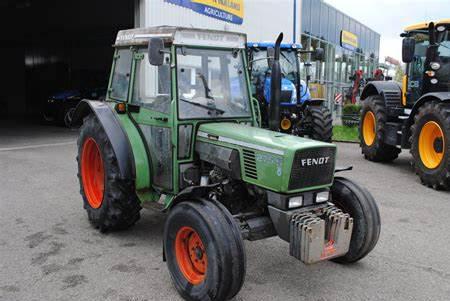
x: 147, y: 232
x: 270, y: 265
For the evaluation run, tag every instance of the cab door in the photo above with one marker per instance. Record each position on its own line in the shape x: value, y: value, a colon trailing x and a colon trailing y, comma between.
x: 150, y: 98
x: 415, y: 70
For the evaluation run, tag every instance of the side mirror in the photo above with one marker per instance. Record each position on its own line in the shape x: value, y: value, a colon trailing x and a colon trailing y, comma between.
x: 318, y: 54
x: 155, y: 51
x: 409, y: 45
x: 270, y: 56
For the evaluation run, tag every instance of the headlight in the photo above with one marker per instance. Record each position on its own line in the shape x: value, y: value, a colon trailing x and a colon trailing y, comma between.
x: 295, y: 202
x: 323, y: 196
x: 285, y: 124
x: 435, y: 66
x: 434, y: 81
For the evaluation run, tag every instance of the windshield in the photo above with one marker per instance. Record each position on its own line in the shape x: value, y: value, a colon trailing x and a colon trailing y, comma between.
x: 288, y: 61
x: 444, y: 44
x: 290, y: 69
x: 211, y: 84
x: 420, y: 54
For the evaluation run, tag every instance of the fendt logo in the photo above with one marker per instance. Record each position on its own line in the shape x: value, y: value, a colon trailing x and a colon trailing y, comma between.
x: 315, y: 161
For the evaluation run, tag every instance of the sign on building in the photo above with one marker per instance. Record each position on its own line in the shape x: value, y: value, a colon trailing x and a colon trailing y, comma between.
x: 349, y: 40
x: 231, y: 11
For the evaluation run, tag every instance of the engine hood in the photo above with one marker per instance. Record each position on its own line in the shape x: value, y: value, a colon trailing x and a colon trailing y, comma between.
x: 271, y: 159
x: 256, y: 138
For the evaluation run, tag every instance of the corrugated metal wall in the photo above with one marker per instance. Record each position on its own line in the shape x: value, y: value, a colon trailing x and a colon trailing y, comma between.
x: 263, y: 19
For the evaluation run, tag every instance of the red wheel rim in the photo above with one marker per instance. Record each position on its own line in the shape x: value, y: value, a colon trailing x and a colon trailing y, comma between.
x: 92, y: 173
x: 191, y: 255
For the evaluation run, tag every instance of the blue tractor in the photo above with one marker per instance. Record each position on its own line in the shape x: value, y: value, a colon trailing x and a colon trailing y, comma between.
x: 300, y: 114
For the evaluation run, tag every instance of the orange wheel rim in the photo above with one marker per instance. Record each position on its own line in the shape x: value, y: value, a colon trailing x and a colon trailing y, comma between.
x: 92, y: 173
x: 191, y: 255
x: 431, y: 145
x: 369, y: 130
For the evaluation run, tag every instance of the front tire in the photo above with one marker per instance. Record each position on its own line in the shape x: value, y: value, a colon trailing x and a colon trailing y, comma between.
x: 372, y: 131
x: 430, y: 145
x: 204, y: 251
x: 110, y: 201
x: 321, y: 123
x: 359, y: 203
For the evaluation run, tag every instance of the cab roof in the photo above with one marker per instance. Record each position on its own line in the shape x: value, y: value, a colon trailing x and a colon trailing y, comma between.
x: 424, y: 25
x: 181, y: 36
x: 271, y: 44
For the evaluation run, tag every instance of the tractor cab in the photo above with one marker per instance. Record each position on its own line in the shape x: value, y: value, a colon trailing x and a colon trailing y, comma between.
x: 299, y: 111
x: 260, y: 58
x: 426, y: 50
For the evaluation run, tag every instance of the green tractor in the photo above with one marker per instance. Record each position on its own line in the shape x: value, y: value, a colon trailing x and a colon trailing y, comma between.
x: 416, y: 115
x: 178, y: 131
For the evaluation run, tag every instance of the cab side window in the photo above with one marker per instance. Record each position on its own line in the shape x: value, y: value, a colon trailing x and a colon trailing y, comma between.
x: 152, y: 83
x: 121, y: 76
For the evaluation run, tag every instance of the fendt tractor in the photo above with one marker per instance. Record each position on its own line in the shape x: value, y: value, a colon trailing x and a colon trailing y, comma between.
x: 178, y: 132
x: 300, y: 114
x: 416, y: 115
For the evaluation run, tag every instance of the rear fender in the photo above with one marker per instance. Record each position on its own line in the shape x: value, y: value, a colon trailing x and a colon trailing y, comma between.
x: 314, y: 102
x: 379, y: 88
x: 391, y: 93
x: 114, y: 131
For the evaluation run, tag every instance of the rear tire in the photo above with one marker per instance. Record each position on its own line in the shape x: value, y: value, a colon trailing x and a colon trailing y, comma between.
x: 111, y: 202
x: 217, y: 270
x: 430, y: 145
x: 372, y: 131
x: 359, y: 203
x: 321, y: 123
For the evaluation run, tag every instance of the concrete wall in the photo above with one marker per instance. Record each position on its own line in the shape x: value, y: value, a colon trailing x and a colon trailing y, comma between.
x: 263, y: 19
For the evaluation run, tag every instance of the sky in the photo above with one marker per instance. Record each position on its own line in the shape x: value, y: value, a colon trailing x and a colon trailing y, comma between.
x: 389, y: 17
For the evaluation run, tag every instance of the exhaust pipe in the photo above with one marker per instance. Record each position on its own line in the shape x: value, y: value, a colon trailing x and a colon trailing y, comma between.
x: 275, y: 88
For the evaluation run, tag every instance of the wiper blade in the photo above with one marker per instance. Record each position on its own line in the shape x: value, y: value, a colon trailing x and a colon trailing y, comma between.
x: 219, y: 111
x: 205, y: 84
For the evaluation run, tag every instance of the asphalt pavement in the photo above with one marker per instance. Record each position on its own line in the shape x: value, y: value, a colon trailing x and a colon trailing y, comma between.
x: 49, y: 251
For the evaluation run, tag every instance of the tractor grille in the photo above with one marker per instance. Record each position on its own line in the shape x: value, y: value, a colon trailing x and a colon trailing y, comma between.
x: 392, y: 98
x: 312, y: 167
x: 250, y: 164
x: 286, y: 96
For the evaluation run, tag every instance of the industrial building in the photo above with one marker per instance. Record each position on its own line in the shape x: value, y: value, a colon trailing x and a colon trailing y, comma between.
x: 327, y: 27
x: 56, y: 46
